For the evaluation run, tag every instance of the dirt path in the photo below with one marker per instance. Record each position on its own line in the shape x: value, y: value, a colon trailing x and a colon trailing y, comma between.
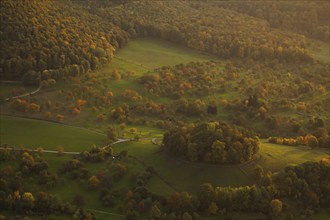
x: 110, y: 213
x: 65, y: 152
x: 25, y: 94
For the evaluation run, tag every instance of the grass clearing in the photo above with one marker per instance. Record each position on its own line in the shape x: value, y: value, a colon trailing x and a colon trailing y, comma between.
x: 36, y: 133
x: 189, y: 176
x: 275, y: 157
x: 320, y: 51
x: 153, y: 53
x: 181, y: 175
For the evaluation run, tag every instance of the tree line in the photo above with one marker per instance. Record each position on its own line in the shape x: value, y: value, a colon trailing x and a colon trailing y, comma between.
x: 308, y: 18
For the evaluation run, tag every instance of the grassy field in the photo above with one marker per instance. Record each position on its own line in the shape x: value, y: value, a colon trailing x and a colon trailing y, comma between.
x: 275, y: 157
x: 140, y: 56
x: 153, y: 53
x: 36, y: 133
x: 189, y: 176
x: 320, y: 50
x: 15, y: 131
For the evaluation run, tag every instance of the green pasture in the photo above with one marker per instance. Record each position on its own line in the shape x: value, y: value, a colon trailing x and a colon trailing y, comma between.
x: 145, y: 54
x: 153, y: 53
x: 185, y: 176
x: 36, y: 133
x: 275, y: 157
x: 320, y: 51
x: 142, y: 56
x: 181, y: 175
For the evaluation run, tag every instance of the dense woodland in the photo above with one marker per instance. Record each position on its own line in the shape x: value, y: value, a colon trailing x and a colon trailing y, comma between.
x: 206, y: 28
x: 48, y: 39
x: 43, y: 40
x: 309, y: 18
x: 212, y: 142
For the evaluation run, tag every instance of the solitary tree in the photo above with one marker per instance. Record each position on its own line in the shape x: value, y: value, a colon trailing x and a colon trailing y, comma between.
x: 276, y: 206
x: 94, y: 182
x: 111, y: 133
x: 27, y: 201
x: 213, y: 208
x: 312, y: 141
x: 155, y: 212
x: 60, y: 150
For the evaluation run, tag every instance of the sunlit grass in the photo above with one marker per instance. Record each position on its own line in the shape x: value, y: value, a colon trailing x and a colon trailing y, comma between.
x: 320, y: 51
x: 31, y: 134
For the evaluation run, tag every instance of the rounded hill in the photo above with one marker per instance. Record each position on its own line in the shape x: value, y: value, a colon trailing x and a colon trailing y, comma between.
x: 212, y: 142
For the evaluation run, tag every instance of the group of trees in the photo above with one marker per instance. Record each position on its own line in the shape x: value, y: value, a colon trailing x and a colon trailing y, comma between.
x: 96, y: 154
x: 309, y: 140
x: 14, y: 195
x: 212, y: 142
x: 195, y: 78
x: 22, y: 105
x: 308, y: 18
x: 308, y: 182
x: 53, y: 39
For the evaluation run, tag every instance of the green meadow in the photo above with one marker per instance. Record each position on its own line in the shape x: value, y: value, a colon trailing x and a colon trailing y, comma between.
x: 185, y: 176
x: 152, y: 53
x: 32, y: 134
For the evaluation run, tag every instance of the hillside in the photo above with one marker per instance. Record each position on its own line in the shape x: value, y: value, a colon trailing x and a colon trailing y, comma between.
x: 310, y: 18
x: 53, y: 39
x: 203, y: 27
x: 56, y: 39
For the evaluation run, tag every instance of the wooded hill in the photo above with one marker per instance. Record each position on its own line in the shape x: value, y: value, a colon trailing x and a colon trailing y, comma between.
x: 203, y: 27
x: 310, y: 18
x: 52, y: 39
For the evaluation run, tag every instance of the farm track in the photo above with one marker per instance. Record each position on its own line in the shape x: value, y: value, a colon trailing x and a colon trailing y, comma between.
x: 110, y: 213
x: 25, y: 94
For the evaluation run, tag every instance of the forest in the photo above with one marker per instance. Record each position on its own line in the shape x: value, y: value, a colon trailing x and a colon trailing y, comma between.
x: 164, y: 110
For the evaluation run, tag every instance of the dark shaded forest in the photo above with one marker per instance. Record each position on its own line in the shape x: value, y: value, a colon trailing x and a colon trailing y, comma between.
x: 52, y: 40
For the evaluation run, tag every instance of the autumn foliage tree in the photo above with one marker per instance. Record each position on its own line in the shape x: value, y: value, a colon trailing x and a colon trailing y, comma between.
x: 212, y: 142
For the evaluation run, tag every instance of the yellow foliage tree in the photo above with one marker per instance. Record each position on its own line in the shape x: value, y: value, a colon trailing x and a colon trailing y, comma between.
x: 94, y: 182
